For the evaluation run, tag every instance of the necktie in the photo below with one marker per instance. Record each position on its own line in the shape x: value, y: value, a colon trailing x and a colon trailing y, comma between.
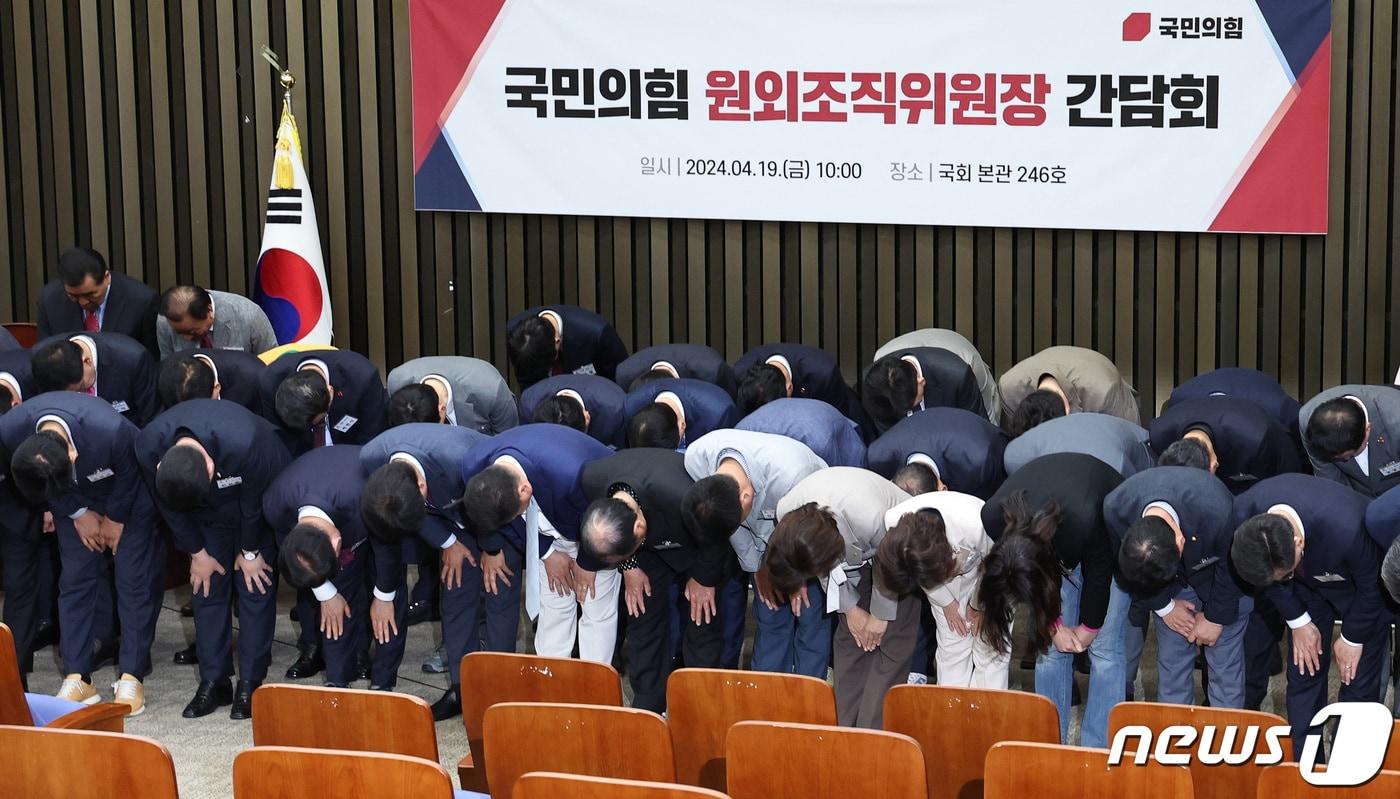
x: 91, y: 390
x: 347, y: 556
x: 834, y: 580
x: 90, y: 323
x: 532, y: 560
x: 206, y: 342
x: 318, y: 434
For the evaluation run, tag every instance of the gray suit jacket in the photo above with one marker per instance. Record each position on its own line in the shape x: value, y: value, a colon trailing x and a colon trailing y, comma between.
x: 1118, y: 443
x: 239, y: 324
x: 480, y: 397
x: 859, y: 499
x: 774, y: 465
x: 1383, y: 448
x: 1090, y: 380
x: 958, y: 345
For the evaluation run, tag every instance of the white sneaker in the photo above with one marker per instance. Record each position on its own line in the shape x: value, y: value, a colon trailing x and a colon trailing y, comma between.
x: 129, y: 691
x: 916, y: 678
x: 76, y: 689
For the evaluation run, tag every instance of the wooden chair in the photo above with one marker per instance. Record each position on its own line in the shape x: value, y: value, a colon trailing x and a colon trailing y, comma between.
x: 26, y: 333
x: 1051, y: 771
x: 702, y: 704
x: 492, y: 677
x: 588, y: 740
x: 1210, y: 781
x: 1392, y: 751
x: 548, y: 785
x: 1284, y: 781
x: 14, y: 709
x: 961, y: 725
x: 344, y: 719
x: 769, y: 760
x: 45, y: 763
x: 283, y: 772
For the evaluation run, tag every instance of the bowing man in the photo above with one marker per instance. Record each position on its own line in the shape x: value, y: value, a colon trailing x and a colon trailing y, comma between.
x: 107, y: 365
x: 414, y: 489
x: 534, y: 472
x: 1117, y: 442
x: 1250, y: 385
x: 1241, y: 442
x: 1058, y: 381
x: 587, y: 403
x: 825, y: 430
x: 1350, y: 433
x: 24, y: 550
x: 211, y: 374
x: 947, y: 447
x: 467, y: 392
x: 770, y: 371
x: 1172, y: 527
x: 673, y: 412
x: 314, y: 510
x: 1303, y: 540
x: 634, y: 523
x: 690, y: 361
x: 917, y: 378
x: 210, y: 464
x: 75, y: 456
x: 562, y: 339
x: 324, y: 397
x: 956, y: 343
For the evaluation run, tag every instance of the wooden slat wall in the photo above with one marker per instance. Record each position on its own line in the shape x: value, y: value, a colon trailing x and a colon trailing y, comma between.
x: 144, y: 128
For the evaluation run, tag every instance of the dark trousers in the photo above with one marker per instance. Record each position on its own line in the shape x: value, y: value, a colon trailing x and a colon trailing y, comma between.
x: 137, y: 564
x: 649, y: 651
x: 1308, y: 694
x: 463, y: 607
x: 340, y: 653
x: 25, y: 553
x: 309, y: 619
x: 925, y: 644
x: 863, y: 678
x: 428, y: 587
x: 384, y: 665
x: 1261, y: 653
x: 733, y: 616
x: 213, y: 623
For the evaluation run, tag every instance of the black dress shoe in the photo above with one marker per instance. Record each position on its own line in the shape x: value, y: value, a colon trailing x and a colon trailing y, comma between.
x: 209, y: 697
x: 419, y: 612
x: 187, y: 656
x: 449, y: 706
x: 243, y: 700
x: 187, y: 610
x: 46, y: 634
x: 364, y: 666
x: 309, y: 664
x: 103, y: 652
x: 294, y: 615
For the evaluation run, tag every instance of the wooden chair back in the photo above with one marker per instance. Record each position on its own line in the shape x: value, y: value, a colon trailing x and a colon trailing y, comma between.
x: 493, y: 677
x: 769, y: 760
x: 282, y: 772
x: 1051, y: 771
x: 1209, y: 780
x: 345, y: 719
x: 962, y: 724
x: 549, y: 785
x: 47, y: 763
x: 702, y: 704
x: 589, y: 740
x: 26, y: 333
x: 1392, y: 751
x: 1284, y: 781
x: 14, y: 709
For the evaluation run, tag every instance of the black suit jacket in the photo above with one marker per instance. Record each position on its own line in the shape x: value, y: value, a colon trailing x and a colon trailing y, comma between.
x: 948, y: 381
x: 131, y: 310
x: 815, y: 375
x: 659, y: 480
x: 126, y: 374
x: 359, y: 404
x: 248, y: 456
x: 968, y: 449
x: 238, y: 373
x: 589, y: 342
x: 1204, y: 507
x: 1078, y: 484
x: 1249, y: 443
x: 1341, y: 563
x: 332, y: 479
x: 692, y: 361
x: 17, y: 517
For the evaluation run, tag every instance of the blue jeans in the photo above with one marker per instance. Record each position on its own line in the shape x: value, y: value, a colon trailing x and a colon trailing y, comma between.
x: 790, y: 644
x: 1054, y: 670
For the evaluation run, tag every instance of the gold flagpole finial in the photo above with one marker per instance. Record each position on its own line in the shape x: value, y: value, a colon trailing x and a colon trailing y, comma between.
x: 287, y: 79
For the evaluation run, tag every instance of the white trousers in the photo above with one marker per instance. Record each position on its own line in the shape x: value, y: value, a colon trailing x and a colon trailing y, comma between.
x: 559, y: 617
x: 967, y: 661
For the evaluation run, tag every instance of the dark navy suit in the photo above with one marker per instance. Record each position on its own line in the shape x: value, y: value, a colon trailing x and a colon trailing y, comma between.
x: 1203, y: 508
x: 603, y: 399
x: 948, y: 381
x: 693, y: 361
x: 8, y: 341
x: 1337, y: 578
x: 126, y: 374
x: 24, y: 552
x: 1383, y: 525
x: 248, y: 457
x: 440, y: 450
x: 1250, y: 385
x: 1249, y: 443
x: 815, y: 375
x: 131, y: 308
x: 968, y: 449
x: 589, y: 345
x: 106, y: 481
x: 707, y: 406
x: 825, y: 430
x: 237, y: 373
x: 332, y: 479
x: 359, y: 405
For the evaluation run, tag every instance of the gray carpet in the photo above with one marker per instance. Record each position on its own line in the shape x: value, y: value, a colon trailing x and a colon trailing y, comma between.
x: 204, y: 749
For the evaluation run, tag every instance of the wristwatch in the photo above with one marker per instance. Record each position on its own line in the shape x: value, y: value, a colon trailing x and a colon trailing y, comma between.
x: 250, y: 556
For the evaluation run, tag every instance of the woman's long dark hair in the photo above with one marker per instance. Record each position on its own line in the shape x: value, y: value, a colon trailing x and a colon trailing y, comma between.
x: 1022, y: 567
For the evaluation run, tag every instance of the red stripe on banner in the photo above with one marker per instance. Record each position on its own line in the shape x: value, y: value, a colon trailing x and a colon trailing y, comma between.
x: 445, y: 35
x: 1285, y: 189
